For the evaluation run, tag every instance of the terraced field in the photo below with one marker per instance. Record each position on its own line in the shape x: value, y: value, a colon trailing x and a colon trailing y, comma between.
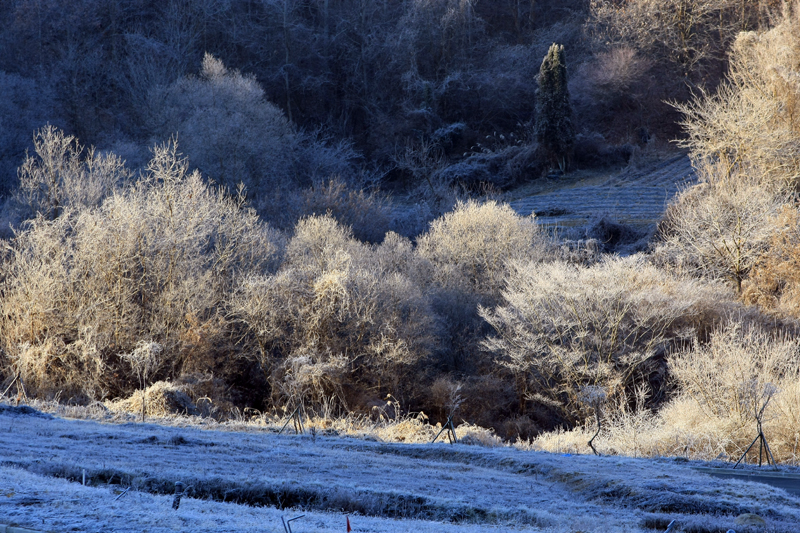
x: 636, y: 197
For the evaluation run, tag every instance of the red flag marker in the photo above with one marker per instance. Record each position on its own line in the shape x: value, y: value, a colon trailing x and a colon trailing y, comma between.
x: 349, y: 529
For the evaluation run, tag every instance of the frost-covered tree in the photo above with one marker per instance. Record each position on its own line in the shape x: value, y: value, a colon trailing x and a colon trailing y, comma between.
x: 473, y: 243
x: 227, y: 127
x: 686, y: 35
x: 338, y: 317
x: 62, y: 175
x: 745, y: 142
x: 153, y: 261
x: 564, y: 327
x: 554, y: 128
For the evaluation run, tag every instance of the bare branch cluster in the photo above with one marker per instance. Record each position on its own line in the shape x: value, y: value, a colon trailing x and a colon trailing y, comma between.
x: 563, y: 328
x: 150, y: 263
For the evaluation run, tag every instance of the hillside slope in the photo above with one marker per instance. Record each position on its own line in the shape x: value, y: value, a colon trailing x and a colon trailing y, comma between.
x: 634, y: 196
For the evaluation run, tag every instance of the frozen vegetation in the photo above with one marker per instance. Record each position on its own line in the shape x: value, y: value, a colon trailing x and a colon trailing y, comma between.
x: 245, y: 477
x: 389, y: 217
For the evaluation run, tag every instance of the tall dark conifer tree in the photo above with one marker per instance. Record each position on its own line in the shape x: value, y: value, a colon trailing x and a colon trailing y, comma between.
x: 554, y: 129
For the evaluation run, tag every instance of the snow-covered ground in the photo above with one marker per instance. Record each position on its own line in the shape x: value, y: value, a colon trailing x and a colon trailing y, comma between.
x: 245, y: 481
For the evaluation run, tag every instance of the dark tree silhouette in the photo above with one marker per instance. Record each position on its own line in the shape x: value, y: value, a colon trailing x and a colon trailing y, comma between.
x: 554, y: 129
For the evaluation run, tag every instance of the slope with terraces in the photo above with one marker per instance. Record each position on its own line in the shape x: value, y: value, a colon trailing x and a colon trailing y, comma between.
x: 635, y: 196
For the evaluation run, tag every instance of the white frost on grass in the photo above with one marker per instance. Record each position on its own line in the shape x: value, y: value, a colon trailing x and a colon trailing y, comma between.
x: 51, y: 504
x: 425, y: 487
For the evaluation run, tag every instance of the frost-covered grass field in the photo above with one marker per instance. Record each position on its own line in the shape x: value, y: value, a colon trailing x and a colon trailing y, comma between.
x: 245, y: 480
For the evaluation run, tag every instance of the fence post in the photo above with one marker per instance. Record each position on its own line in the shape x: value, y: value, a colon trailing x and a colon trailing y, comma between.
x: 176, y: 502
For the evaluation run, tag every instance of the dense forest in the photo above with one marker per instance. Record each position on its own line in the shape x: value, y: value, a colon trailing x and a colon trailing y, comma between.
x: 387, y: 91
x: 282, y: 203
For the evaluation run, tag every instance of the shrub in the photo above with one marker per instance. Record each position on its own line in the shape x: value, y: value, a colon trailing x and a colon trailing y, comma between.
x: 593, y: 151
x: 59, y: 176
x: 614, y: 73
x: 473, y: 243
x: 614, y: 91
x: 562, y: 327
x: 321, y: 158
x: 162, y: 399
x: 339, y: 321
x: 152, y: 263
x: 493, y: 170
x: 367, y: 214
x: 710, y: 414
x: 774, y: 281
x: 724, y: 378
x: 688, y: 35
x: 468, y: 249
x: 616, y: 237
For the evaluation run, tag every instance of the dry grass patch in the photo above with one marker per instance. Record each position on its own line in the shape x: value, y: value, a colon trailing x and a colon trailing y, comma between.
x: 162, y: 399
x: 719, y: 384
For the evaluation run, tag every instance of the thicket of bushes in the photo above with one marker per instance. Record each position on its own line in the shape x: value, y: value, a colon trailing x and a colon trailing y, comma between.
x: 738, y: 226
x: 263, y: 270
x: 155, y: 261
x: 312, y: 316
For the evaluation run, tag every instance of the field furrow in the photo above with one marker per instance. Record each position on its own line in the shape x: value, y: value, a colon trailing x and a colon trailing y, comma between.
x: 635, y: 197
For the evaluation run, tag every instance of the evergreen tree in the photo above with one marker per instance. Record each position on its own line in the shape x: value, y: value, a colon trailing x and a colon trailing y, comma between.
x: 554, y: 129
